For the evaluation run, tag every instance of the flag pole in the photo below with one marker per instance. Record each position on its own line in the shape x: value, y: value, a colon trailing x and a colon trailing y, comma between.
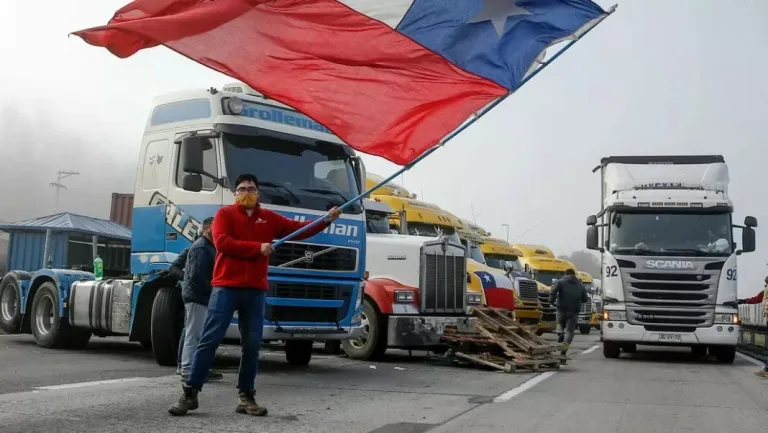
x: 475, y: 116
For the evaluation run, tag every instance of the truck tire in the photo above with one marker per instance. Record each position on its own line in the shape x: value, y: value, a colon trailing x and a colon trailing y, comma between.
x: 699, y: 351
x: 584, y: 329
x: 373, y: 343
x: 725, y: 354
x: 629, y: 348
x: 10, y: 303
x: 298, y: 353
x: 333, y: 347
x: 166, y: 324
x: 49, y: 330
x: 611, y: 350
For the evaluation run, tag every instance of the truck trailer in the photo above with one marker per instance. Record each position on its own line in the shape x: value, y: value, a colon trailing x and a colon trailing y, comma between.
x: 194, y: 146
x: 669, y: 260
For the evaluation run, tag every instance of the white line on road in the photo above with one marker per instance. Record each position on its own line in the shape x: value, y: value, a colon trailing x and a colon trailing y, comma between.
x: 535, y: 380
x: 750, y: 359
x: 94, y: 383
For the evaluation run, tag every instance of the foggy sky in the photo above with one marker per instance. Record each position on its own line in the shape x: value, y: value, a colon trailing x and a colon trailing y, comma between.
x: 657, y: 77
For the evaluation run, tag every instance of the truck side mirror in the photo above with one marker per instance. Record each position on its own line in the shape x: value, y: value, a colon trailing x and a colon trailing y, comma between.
x: 592, y: 238
x: 748, y: 243
x: 191, y: 155
x: 750, y: 221
x: 192, y: 182
x: 591, y: 220
x: 360, y: 172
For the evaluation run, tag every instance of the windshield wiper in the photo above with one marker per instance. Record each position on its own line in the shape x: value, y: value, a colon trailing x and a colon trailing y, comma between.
x: 326, y: 192
x: 694, y: 251
x: 632, y: 251
x: 280, y: 186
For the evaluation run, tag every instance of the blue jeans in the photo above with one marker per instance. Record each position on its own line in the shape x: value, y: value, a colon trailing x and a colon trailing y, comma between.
x: 249, y: 304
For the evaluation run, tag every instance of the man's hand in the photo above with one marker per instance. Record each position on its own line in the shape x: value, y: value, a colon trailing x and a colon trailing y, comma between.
x: 266, y: 249
x: 333, y: 214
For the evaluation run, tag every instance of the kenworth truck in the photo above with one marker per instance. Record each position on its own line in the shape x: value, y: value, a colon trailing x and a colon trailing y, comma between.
x: 195, y: 144
x: 668, y: 255
x: 415, y: 287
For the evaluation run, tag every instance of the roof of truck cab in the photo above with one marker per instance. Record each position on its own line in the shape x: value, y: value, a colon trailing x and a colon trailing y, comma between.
x: 498, y: 246
x: 530, y: 250
x: 547, y: 263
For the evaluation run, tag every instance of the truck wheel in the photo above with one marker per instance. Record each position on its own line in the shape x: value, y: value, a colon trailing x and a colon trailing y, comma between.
x: 584, y: 329
x: 540, y: 332
x: 166, y: 324
x: 147, y: 344
x: 629, y: 348
x: 298, y: 352
x: 725, y: 354
x: 373, y: 343
x: 49, y: 330
x: 699, y: 351
x: 10, y: 304
x: 611, y: 350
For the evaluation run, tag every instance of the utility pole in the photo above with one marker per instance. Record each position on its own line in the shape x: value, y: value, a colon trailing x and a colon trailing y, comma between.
x: 506, y: 226
x: 61, y: 174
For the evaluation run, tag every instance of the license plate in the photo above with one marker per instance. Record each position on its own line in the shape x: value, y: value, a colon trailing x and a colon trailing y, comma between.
x: 671, y: 337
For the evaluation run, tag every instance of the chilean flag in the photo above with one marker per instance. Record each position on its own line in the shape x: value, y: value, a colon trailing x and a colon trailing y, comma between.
x: 389, y: 77
x: 498, y: 289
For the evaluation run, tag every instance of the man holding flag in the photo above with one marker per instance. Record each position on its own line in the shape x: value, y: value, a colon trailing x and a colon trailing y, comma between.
x: 395, y: 78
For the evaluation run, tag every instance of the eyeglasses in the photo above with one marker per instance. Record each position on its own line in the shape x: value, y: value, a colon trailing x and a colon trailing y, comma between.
x: 244, y: 190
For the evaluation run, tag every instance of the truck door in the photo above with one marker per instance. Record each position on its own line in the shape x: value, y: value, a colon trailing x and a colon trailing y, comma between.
x: 187, y: 210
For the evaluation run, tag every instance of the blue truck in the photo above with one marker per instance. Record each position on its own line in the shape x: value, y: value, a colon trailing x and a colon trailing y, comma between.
x: 195, y: 144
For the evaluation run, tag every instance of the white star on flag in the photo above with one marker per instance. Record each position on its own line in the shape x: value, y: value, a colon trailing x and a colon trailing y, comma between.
x: 487, y: 278
x: 497, y: 12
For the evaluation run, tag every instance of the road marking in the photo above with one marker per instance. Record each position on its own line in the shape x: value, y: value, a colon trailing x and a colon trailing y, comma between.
x: 94, y: 383
x: 750, y: 359
x: 535, y: 380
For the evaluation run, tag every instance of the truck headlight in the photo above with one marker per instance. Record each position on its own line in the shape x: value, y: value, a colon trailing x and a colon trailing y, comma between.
x: 474, y: 299
x: 360, y: 292
x: 615, y: 315
x: 727, y: 318
x: 404, y: 296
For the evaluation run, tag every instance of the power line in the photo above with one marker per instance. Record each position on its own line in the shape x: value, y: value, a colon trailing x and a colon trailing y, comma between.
x: 61, y: 174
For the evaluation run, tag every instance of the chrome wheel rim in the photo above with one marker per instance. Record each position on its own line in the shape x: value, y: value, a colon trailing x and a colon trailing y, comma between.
x: 366, y: 324
x: 44, y: 315
x: 8, y: 303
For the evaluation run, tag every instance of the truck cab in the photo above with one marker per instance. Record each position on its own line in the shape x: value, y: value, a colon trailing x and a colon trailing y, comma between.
x: 406, y: 305
x: 194, y: 146
x: 669, y: 258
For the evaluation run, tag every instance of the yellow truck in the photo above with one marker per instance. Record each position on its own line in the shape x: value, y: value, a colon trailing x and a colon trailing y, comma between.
x: 545, y: 268
x: 389, y: 188
x: 501, y: 255
x: 588, y: 282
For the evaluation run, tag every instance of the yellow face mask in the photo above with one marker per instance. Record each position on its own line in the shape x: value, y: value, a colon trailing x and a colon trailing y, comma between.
x: 248, y: 200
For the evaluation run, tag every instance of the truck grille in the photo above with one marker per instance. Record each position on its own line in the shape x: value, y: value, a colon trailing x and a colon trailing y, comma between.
x: 529, y: 291
x: 339, y: 259
x: 443, y: 279
x: 671, y: 299
x: 548, y: 311
x: 586, y: 308
x: 294, y: 290
x: 304, y: 291
x: 598, y: 307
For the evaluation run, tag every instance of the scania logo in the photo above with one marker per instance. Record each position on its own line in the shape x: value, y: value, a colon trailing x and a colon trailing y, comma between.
x: 669, y: 264
x: 308, y: 256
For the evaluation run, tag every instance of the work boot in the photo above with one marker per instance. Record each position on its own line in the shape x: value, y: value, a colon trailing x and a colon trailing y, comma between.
x: 762, y: 373
x: 247, y: 404
x: 187, y: 401
x: 560, y: 338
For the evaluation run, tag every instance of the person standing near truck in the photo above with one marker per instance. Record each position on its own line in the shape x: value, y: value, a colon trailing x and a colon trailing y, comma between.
x: 760, y: 298
x: 176, y: 272
x: 196, y: 292
x: 242, y: 233
x: 568, y: 294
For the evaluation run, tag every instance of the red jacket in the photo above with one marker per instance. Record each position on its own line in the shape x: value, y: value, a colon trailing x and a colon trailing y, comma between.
x: 238, y: 240
x: 757, y: 299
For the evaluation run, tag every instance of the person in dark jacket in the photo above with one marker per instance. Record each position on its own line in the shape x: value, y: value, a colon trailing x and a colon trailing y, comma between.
x: 568, y: 294
x: 196, y: 292
x: 243, y: 233
x: 759, y: 299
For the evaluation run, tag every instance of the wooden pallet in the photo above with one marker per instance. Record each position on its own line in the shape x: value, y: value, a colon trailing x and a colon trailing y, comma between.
x: 503, y: 344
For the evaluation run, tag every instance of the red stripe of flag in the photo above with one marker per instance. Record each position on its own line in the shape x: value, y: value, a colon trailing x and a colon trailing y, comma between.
x: 378, y: 90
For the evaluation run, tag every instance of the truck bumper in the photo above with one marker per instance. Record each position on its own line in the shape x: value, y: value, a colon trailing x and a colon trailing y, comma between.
x: 302, y: 333
x: 584, y: 319
x: 547, y: 326
x: 527, y: 315
x: 716, y: 335
x: 423, y: 331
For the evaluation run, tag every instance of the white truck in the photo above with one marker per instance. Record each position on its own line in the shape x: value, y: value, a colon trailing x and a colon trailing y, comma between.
x: 668, y: 255
x: 415, y: 286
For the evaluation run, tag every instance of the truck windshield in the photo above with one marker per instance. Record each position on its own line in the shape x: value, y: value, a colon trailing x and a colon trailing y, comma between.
x: 548, y: 277
x: 432, y: 230
x: 671, y: 234
x: 315, y: 176
x: 475, y: 253
x: 376, y: 222
x: 499, y: 261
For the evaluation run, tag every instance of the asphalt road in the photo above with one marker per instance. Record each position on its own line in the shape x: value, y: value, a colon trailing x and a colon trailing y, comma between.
x: 116, y: 386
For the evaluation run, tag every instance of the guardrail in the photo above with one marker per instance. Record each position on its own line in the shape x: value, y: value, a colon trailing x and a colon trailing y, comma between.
x: 753, y: 333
